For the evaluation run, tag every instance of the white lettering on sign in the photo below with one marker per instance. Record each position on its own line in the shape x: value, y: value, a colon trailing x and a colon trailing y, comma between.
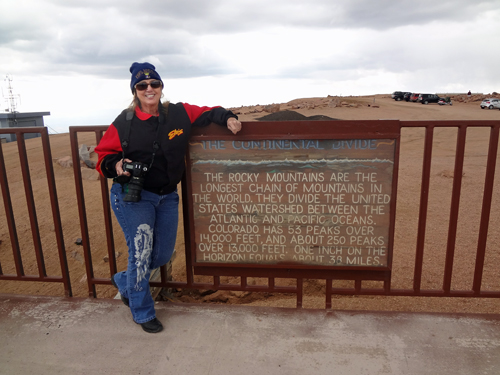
x: 267, y: 202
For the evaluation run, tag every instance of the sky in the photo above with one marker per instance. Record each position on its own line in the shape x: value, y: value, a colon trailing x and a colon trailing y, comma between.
x: 72, y: 57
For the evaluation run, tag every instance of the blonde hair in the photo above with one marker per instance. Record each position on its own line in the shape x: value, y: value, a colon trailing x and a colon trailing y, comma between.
x: 137, y: 103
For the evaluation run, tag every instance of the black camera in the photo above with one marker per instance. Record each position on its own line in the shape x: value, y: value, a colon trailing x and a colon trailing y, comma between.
x: 134, y: 187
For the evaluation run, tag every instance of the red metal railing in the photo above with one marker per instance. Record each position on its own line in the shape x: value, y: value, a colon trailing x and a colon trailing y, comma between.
x: 492, y: 155
x: 387, y: 288
x: 91, y: 280
x: 32, y: 213
x: 446, y: 289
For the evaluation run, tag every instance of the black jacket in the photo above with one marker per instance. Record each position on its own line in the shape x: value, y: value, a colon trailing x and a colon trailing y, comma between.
x: 171, y: 130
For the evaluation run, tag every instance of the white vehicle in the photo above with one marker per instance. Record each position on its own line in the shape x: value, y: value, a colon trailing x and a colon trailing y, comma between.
x: 490, y: 103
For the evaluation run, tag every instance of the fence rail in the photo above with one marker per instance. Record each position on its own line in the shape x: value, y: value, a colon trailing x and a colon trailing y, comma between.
x: 490, y: 197
x: 32, y: 212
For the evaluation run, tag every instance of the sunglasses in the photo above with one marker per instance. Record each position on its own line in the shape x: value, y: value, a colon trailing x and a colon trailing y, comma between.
x: 141, y: 86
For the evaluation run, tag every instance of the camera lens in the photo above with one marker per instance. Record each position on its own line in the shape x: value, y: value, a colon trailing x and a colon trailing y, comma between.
x: 134, y: 187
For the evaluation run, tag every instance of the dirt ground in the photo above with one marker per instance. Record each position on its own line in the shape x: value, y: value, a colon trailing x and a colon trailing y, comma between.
x: 349, y: 108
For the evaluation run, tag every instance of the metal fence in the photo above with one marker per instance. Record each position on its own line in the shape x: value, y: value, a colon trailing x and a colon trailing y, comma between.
x: 486, y: 250
x: 32, y: 212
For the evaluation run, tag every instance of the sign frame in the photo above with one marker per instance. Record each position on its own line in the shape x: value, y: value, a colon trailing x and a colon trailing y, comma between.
x: 292, y: 130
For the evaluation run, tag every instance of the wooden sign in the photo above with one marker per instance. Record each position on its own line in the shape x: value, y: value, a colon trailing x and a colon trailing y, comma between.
x: 315, y: 202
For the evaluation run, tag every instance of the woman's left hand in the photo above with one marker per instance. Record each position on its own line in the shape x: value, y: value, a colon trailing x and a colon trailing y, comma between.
x: 234, y: 125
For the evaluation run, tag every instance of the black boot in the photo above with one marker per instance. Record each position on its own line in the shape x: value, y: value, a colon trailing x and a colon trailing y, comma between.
x: 153, y: 326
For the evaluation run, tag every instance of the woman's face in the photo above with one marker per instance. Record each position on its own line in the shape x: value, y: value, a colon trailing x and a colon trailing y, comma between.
x: 149, y: 96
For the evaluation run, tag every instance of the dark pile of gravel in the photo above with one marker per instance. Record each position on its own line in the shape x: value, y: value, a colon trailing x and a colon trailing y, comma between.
x: 291, y: 116
x: 321, y: 117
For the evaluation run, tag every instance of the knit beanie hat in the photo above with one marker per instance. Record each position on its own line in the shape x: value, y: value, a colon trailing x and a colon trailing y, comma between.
x: 142, y: 71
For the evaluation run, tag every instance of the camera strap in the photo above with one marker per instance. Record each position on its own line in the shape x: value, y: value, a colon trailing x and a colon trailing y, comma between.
x: 125, y: 141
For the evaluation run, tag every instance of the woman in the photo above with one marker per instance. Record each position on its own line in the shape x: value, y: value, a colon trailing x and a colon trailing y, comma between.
x: 143, y: 151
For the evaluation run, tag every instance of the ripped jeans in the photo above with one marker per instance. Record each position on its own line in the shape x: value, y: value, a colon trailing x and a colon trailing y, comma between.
x: 150, y: 228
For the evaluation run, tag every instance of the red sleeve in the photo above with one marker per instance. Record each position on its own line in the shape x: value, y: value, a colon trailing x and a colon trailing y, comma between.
x: 109, y: 144
x: 194, y: 111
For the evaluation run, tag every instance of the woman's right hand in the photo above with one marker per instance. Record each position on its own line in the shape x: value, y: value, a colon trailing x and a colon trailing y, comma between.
x: 119, y: 168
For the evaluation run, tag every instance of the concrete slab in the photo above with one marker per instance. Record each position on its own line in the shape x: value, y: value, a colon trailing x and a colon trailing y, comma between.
x: 46, y: 335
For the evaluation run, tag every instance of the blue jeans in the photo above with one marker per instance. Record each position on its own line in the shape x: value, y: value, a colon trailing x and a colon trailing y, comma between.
x: 150, y: 228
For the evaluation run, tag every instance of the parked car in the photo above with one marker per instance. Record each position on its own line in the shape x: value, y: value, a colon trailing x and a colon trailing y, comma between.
x: 407, y: 96
x: 414, y: 96
x: 445, y: 101
x: 428, y: 98
x: 490, y: 103
x: 396, y: 93
x: 399, y: 95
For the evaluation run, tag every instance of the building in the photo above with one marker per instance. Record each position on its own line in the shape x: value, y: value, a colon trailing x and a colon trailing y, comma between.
x: 21, y: 120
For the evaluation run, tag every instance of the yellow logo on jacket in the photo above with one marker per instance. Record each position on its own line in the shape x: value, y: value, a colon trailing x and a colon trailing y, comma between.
x: 174, y: 133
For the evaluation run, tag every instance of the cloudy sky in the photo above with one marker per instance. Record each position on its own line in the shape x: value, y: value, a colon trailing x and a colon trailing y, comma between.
x: 72, y: 57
